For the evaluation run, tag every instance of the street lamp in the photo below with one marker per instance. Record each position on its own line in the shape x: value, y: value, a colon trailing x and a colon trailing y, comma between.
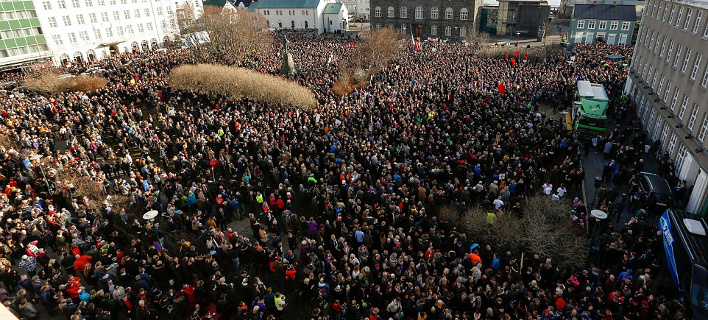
x: 518, y: 34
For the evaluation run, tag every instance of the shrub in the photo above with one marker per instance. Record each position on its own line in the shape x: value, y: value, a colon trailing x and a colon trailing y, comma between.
x: 242, y: 83
x: 52, y: 82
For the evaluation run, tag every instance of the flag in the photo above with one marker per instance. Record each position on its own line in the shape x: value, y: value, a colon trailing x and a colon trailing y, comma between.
x: 412, y: 39
x: 507, y: 56
x: 415, y: 45
x: 351, y: 44
x: 526, y: 56
x: 517, y: 53
x: 513, y: 61
x: 501, y: 88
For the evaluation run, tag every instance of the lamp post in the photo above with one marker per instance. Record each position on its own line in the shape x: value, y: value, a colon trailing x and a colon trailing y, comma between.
x: 518, y: 34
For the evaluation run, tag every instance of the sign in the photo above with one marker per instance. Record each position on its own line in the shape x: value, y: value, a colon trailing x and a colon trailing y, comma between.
x: 665, y: 225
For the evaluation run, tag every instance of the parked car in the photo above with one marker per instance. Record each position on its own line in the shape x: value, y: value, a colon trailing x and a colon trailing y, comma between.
x: 659, y: 188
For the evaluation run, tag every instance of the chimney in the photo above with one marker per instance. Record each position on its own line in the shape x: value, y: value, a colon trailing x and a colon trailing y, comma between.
x: 614, y: 3
x: 594, y: 3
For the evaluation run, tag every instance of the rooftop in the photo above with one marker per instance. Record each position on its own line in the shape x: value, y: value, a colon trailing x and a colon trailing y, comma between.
x: 332, y: 8
x: 276, y: 4
x: 605, y: 12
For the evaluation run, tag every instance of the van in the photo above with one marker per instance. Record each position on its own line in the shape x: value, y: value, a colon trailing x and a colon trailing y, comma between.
x: 657, y: 186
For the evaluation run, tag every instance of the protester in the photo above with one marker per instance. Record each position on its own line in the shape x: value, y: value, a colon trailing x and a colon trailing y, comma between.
x: 352, y: 183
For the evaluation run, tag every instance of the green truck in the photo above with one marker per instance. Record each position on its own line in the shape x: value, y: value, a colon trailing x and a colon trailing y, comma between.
x: 590, y: 110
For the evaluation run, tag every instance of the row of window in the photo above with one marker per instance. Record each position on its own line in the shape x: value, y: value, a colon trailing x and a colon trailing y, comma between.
x: 602, y: 25
x: 290, y: 12
x: 62, y: 4
x: 20, y: 14
x: 447, y: 31
x: 11, y: 52
x: 20, y: 33
x: 434, y: 13
x: 93, y: 18
x: 98, y: 35
x: 648, y: 115
x: 670, y: 52
x: 677, y: 16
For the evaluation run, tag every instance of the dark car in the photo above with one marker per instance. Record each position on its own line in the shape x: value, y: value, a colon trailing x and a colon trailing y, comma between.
x: 657, y: 187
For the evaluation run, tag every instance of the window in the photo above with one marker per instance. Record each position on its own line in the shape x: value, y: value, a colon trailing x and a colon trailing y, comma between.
x: 463, y: 32
x: 47, y: 5
x: 661, y: 85
x: 403, y: 29
x: 705, y: 31
x: 92, y: 17
x: 419, y: 13
x: 52, y: 22
x: 109, y: 32
x: 696, y: 65
x: 686, y: 59
x: 684, y: 104
x: 671, y: 17
x: 403, y: 12
x: 434, y: 13
x: 58, y: 40
x: 678, y: 17
x: 147, y: 12
x: 704, y: 82
x: 61, y: 4
x: 97, y: 33
x: 671, y: 50
x: 150, y: 27
x: 699, y: 16
x: 591, y: 24
x: 581, y: 24
x: 84, y: 36
x: 449, y: 14
x: 67, y: 20
x: 678, y: 55
x: 663, y: 47
x: 127, y: 14
x: 378, y: 27
x: 116, y: 16
x: 101, y: 3
x: 80, y: 19
x: 72, y: 38
x: 675, y: 98
x: 112, y: 2
x: 656, y: 46
x: 613, y: 25
x: 141, y: 29
x: 463, y: 14
x: 159, y: 11
x: 391, y: 12
x: 692, y: 119
x: 686, y: 21
x: 448, y: 31
x: 75, y: 3
x: 666, y: 93
x: 704, y: 128
x: 625, y: 26
x: 664, y: 133
x: 602, y: 25
x: 377, y: 12
x: 433, y: 30
x: 137, y: 13
x: 672, y: 143
x: 89, y: 3
x: 665, y: 14
x: 119, y: 29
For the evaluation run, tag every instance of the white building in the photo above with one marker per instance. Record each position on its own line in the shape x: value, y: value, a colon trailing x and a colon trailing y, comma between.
x: 358, y: 8
x: 301, y: 14
x: 196, y: 6
x: 77, y: 30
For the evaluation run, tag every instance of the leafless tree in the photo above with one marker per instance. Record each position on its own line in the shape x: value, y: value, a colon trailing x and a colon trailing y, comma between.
x: 233, y: 34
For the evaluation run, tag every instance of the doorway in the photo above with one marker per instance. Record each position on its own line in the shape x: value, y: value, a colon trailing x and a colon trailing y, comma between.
x: 418, y: 30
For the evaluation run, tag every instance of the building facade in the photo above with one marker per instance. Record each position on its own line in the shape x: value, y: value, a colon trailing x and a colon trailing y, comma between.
x: 299, y: 14
x: 524, y: 18
x: 668, y: 81
x: 358, y: 9
x: 451, y: 20
x: 22, y: 39
x: 81, y: 30
x: 611, y: 24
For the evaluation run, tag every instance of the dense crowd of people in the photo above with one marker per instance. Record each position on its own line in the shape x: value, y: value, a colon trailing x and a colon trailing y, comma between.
x: 340, y: 198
